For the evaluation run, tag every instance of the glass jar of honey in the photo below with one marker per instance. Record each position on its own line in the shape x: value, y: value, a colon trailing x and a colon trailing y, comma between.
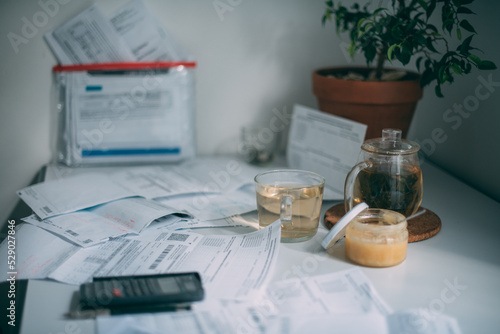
x: 377, y: 238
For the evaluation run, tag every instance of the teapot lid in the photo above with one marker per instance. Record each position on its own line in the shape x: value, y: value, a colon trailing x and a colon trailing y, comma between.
x: 390, y: 143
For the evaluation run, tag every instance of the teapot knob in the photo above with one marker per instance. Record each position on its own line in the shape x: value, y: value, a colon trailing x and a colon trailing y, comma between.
x: 391, y: 135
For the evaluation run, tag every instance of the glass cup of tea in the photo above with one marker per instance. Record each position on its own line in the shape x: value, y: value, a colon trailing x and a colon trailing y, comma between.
x: 388, y: 177
x: 294, y: 197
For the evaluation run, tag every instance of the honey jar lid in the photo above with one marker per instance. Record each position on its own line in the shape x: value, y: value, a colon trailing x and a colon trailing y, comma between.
x: 338, y: 230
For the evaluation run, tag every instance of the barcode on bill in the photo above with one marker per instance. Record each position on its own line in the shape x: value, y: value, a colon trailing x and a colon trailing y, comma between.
x: 178, y: 237
x: 161, y: 257
x: 47, y: 209
x: 73, y: 233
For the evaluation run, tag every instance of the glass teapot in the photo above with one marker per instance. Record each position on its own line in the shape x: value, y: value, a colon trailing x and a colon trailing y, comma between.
x: 388, y: 176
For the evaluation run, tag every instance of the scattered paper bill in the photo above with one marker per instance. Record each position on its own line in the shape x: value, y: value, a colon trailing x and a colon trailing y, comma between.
x: 345, y: 292
x: 250, y: 221
x: 198, y: 176
x: 215, y: 206
x: 92, y: 226
x: 295, y: 312
x: 326, y: 144
x: 71, y: 194
x: 88, y: 38
x: 38, y: 253
x: 145, y: 35
x: 231, y: 266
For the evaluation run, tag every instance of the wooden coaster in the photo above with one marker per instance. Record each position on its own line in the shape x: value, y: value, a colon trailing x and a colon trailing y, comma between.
x: 421, y: 227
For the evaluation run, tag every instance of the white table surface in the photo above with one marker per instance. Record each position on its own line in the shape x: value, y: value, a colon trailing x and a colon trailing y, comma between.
x: 465, y: 253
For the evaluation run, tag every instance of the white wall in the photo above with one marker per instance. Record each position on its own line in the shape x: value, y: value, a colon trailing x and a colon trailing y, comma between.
x: 470, y: 149
x: 252, y: 59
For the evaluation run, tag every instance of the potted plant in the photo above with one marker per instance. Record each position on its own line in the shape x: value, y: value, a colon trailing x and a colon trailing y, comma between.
x: 385, y: 97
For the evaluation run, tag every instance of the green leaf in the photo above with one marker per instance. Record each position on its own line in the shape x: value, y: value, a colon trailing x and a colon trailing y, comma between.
x: 459, y: 34
x: 432, y: 27
x: 375, y: 13
x: 442, y: 75
x: 427, y: 77
x: 419, y: 60
x: 370, y: 53
x: 329, y: 3
x: 404, y: 57
x: 360, y: 22
x: 351, y: 49
x: 391, y: 50
x: 465, y: 46
x: 475, y: 59
x: 430, y: 9
x: 468, y: 68
x: 456, y: 69
x: 448, y: 25
x: 438, y: 92
x: 423, y: 4
x: 467, y: 26
x: 429, y: 45
x: 486, y: 65
x: 464, y: 10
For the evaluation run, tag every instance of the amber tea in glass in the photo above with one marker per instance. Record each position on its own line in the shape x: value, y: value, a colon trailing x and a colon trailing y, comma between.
x: 294, y: 197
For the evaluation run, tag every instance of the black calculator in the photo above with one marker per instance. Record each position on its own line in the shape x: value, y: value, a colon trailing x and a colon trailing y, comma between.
x: 174, y: 288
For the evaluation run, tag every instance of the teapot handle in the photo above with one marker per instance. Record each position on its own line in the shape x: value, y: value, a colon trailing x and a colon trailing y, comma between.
x: 349, y: 183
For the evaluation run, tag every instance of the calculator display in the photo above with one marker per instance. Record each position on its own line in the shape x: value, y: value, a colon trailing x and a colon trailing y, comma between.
x: 168, y: 284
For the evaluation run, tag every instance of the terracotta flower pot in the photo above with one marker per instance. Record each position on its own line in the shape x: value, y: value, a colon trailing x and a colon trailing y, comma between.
x: 378, y: 104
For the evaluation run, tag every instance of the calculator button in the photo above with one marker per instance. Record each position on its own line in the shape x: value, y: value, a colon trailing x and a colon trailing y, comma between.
x: 127, y: 286
x: 136, y: 288
x: 144, y: 287
x: 117, y: 292
x: 153, y: 285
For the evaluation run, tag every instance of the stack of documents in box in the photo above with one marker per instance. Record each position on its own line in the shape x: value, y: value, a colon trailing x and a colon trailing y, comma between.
x: 125, y: 89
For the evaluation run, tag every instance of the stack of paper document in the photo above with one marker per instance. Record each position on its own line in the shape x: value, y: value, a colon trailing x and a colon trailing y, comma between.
x: 132, y: 33
x: 91, y: 208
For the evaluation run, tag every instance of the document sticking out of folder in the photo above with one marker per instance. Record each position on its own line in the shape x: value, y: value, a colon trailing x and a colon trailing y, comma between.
x: 125, y: 112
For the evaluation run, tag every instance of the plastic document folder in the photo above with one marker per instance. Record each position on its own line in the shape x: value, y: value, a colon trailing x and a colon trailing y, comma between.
x: 125, y: 113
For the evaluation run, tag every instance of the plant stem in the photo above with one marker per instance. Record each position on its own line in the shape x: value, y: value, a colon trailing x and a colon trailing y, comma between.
x: 380, y: 61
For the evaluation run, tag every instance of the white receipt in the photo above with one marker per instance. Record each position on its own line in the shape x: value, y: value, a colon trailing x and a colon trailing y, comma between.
x: 89, y: 227
x: 88, y: 38
x: 326, y: 144
x: 145, y: 36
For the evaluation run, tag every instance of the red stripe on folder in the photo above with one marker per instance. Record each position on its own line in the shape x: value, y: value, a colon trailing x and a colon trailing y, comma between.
x: 123, y: 66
